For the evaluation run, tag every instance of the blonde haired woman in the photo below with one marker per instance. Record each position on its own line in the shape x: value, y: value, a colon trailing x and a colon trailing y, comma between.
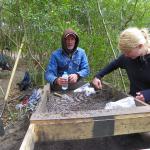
x: 135, y: 59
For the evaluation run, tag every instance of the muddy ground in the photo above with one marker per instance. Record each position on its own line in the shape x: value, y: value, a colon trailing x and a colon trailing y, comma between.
x: 14, y: 134
x: 15, y: 122
x: 15, y: 131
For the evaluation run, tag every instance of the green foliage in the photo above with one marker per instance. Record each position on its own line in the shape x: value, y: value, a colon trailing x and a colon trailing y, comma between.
x: 42, y: 22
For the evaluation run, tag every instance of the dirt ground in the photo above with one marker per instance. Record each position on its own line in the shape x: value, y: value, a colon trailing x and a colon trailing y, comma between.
x: 14, y: 135
x: 15, y: 131
x: 16, y: 127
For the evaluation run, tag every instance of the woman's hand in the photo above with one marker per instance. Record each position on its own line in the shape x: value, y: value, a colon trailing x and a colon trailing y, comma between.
x: 140, y: 96
x: 97, y: 83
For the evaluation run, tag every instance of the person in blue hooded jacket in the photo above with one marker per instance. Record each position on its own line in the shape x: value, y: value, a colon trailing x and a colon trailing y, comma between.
x: 134, y: 43
x: 69, y: 58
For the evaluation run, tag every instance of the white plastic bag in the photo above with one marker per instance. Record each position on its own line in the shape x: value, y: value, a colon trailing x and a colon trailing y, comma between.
x: 82, y: 88
x: 89, y: 91
x: 86, y: 88
x: 127, y: 102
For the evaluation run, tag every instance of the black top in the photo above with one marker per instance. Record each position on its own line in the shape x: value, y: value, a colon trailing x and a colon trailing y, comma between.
x: 138, y: 71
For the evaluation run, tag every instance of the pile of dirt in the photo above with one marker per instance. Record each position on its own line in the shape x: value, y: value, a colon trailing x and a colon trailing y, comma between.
x: 71, y: 101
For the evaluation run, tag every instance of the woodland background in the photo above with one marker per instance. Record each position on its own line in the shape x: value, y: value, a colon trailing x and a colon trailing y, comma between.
x: 39, y: 25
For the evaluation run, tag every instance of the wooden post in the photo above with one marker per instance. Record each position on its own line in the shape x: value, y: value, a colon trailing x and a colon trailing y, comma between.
x: 14, y: 70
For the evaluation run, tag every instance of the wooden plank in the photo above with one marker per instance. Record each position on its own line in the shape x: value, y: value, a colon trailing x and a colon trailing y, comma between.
x: 69, y: 129
x: 65, y: 131
x: 93, y: 128
x: 42, y: 105
x: 29, y: 139
x: 140, y: 103
x: 75, y: 129
x: 132, y: 123
x: 35, y: 118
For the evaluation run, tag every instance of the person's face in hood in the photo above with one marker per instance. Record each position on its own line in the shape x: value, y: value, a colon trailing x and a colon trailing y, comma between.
x: 70, y: 42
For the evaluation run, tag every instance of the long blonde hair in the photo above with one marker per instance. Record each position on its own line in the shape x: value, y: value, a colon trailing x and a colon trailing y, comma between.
x: 132, y: 37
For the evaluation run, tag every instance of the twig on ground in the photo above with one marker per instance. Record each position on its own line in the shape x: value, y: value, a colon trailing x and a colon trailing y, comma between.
x: 2, y: 91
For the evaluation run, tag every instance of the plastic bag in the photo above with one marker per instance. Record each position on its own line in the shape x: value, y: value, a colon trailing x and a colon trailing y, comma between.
x: 82, y: 88
x: 86, y: 88
x: 127, y: 102
x: 89, y: 91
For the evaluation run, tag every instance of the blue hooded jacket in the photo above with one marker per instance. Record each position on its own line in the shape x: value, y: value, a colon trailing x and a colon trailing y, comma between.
x: 62, y: 61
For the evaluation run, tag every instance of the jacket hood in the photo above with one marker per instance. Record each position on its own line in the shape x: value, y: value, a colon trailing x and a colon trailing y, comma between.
x: 63, y: 41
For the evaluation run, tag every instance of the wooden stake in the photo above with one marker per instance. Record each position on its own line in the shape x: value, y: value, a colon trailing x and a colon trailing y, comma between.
x: 14, y: 70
